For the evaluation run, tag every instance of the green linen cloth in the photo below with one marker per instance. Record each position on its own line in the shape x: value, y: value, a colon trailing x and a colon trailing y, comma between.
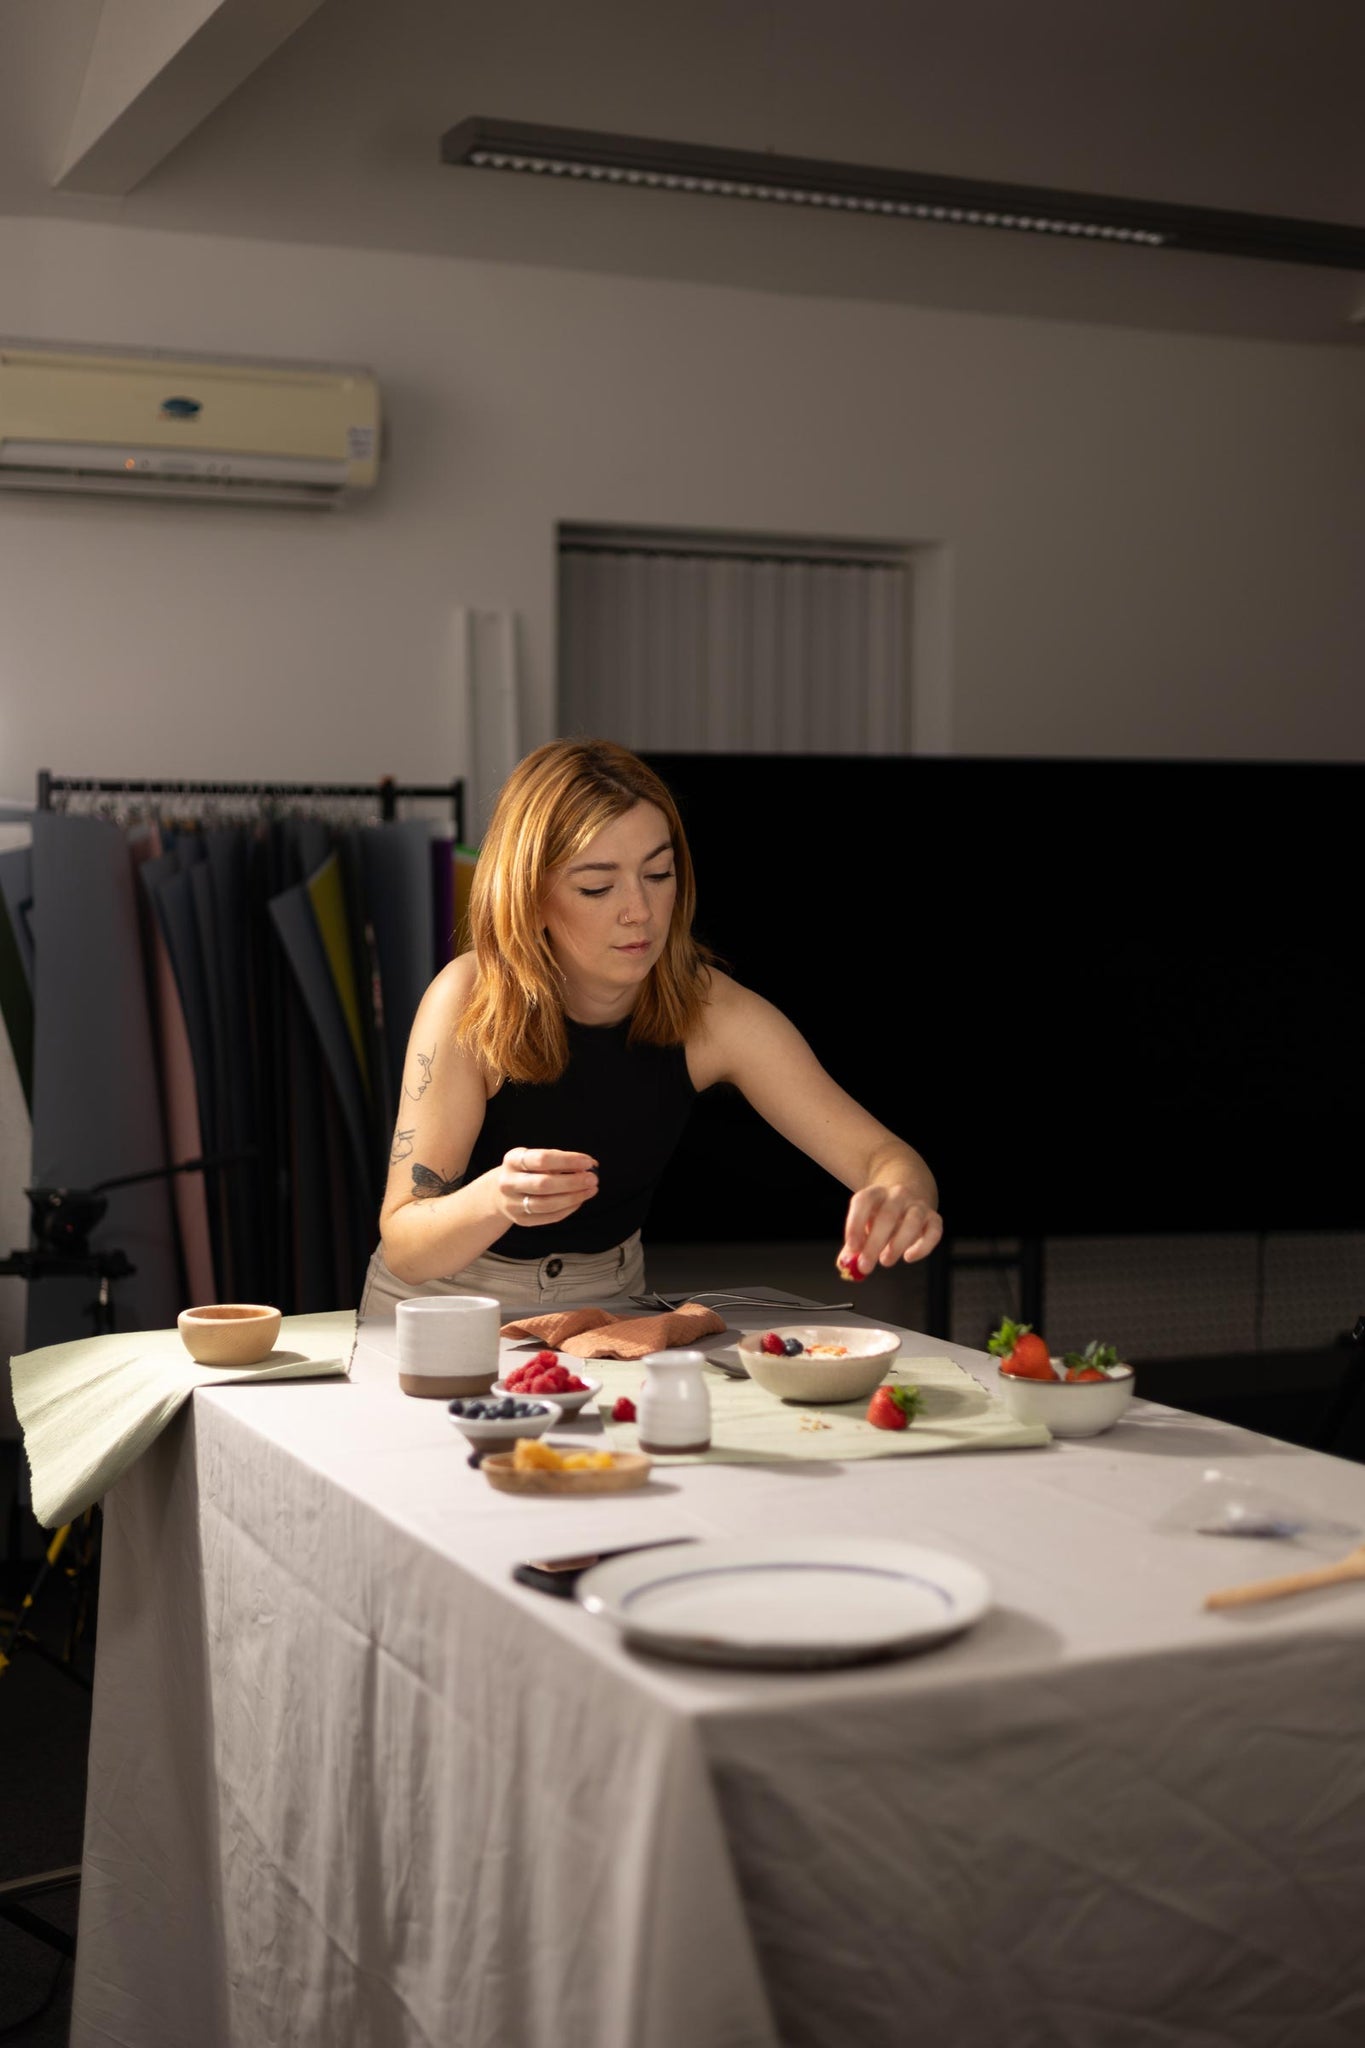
x: 752, y: 1427
x: 90, y: 1408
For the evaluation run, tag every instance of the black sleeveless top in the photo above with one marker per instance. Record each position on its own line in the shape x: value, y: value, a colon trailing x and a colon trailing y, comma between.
x: 624, y: 1105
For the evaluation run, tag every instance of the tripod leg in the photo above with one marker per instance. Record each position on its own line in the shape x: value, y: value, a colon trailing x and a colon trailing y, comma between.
x: 54, y: 1551
x: 16, y: 1890
x: 101, y: 1309
x: 82, y: 1573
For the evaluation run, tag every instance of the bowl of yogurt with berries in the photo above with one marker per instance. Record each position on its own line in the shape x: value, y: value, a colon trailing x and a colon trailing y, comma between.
x: 818, y: 1361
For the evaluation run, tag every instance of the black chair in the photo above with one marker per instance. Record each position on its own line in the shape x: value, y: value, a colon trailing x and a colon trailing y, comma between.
x: 1336, y: 1432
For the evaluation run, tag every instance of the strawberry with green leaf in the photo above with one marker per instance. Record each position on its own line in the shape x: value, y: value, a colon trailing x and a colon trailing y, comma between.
x: 894, y: 1407
x: 1094, y: 1363
x: 1021, y: 1351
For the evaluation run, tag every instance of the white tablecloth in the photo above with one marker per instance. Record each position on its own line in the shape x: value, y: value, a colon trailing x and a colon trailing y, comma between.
x: 350, y: 1784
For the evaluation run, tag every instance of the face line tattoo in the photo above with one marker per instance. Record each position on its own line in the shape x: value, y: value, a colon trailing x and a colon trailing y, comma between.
x: 424, y: 1061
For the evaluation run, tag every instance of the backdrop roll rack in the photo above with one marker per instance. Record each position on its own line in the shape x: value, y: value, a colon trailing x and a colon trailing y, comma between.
x: 386, y: 792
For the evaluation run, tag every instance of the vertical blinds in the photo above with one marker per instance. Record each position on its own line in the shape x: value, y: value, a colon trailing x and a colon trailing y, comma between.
x: 734, y: 648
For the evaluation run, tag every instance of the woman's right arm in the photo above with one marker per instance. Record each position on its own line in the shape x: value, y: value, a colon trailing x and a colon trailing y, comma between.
x: 431, y: 1223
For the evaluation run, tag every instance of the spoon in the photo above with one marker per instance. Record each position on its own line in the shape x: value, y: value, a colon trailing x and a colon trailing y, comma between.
x: 1352, y: 1566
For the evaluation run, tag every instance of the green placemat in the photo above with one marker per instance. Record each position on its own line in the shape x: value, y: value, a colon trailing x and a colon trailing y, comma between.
x: 752, y: 1427
x: 89, y: 1408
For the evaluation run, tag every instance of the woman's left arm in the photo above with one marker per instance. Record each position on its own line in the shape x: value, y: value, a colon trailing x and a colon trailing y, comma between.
x: 894, y: 1210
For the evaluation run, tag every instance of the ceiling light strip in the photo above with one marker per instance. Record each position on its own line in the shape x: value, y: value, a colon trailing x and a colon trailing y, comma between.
x: 584, y: 156
x: 795, y: 195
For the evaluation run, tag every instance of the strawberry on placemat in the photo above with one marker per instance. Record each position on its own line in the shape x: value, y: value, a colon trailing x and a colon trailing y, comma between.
x: 893, y: 1407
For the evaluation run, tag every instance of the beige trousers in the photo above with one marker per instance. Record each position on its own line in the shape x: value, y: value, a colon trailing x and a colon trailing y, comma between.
x: 558, y: 1281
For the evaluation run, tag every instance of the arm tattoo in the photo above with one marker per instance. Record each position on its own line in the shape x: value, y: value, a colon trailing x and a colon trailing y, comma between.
x: 426, y: 1184
x: 402, y: 1146
x: 424, y: 1060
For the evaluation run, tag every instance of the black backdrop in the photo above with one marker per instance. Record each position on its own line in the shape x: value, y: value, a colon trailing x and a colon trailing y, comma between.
x: 1099, y: 996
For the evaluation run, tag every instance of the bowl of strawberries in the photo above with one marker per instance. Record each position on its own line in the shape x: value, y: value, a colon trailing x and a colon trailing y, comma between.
x: 1079, y: 1393
x: 547, y: 1375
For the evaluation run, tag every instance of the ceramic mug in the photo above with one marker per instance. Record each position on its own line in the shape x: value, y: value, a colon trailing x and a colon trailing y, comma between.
x: 447, y: 1344
x: 674, y: 1412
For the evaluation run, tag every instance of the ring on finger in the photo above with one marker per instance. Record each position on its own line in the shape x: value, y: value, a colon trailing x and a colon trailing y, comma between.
x: 526, y: 1203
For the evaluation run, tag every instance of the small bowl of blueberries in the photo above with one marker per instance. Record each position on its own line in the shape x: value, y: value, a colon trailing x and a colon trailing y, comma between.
x: 491, y: 1422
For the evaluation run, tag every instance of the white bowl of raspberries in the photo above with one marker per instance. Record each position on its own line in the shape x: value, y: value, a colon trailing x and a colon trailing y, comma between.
x: 548, y: 1376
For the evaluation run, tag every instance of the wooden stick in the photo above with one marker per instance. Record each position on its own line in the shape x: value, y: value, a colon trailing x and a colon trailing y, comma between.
x: 1352, y: 1566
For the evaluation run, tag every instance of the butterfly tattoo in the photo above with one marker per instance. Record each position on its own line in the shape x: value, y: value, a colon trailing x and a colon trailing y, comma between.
x: 426, y: 1184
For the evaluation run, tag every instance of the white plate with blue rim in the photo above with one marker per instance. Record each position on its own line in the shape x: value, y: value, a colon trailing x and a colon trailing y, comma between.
x: 786, y: 1602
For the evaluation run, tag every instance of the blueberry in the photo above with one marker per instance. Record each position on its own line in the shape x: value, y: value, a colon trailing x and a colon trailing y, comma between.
x: 475, y: 1459
x: 793, y: 1347
x: 506, y: 1410
x: 457, y: 1407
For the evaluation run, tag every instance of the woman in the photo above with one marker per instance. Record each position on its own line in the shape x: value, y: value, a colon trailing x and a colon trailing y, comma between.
x: 551, y: 1069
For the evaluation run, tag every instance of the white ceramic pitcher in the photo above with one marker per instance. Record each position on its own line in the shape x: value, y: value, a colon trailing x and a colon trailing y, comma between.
x: 675, y: 1406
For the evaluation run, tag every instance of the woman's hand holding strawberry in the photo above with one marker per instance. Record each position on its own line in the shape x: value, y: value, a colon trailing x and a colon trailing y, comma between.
x: 885, y: 1225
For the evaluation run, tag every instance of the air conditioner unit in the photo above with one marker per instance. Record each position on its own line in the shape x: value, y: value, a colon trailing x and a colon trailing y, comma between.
x: 153, y: 424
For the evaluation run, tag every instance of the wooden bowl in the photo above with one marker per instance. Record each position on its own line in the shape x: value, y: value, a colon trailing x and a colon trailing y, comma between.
x: 229, y: 1332
x: 631, y: 1469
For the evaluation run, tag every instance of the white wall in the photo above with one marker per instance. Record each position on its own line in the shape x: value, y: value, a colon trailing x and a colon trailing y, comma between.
x: 1154, y: 538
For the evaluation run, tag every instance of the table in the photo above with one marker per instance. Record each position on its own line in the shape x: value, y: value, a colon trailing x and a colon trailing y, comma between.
x: 349, y: 1784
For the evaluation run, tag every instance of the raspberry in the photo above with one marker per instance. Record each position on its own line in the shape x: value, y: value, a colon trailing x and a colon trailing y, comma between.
x: 773, y: 1345
x: 545, y: 1358
x: 623, y: 1409
x: 575, y: 1385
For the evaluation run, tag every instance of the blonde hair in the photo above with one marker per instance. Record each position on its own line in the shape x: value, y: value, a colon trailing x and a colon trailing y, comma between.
x: 551, y: 805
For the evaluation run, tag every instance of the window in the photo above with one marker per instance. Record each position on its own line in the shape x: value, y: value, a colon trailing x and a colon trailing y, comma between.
x: 700, y: 642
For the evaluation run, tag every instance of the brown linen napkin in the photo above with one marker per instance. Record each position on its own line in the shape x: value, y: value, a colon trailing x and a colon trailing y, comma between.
x: 554, y: 1328
x: 638, y: 1336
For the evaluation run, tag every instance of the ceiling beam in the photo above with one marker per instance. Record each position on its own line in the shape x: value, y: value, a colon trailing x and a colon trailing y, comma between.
x: 157, y: 69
